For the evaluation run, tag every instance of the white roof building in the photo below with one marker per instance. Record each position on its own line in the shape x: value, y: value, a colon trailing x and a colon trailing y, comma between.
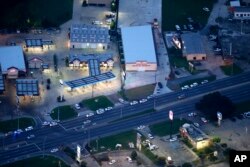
x: 11, y: 58
x: 139, y: 48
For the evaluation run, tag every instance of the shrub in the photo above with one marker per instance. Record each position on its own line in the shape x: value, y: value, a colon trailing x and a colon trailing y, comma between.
x: 216, y: 140
x: 133, y: 155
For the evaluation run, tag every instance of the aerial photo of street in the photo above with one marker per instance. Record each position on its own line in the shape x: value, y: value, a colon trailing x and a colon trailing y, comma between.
x: 124, y: 83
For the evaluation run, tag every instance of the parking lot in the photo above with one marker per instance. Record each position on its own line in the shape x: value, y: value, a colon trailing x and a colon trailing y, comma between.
x: 235, y: 134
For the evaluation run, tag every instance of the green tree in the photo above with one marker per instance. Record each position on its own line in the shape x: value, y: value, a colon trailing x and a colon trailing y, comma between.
x: 133, y: 155
x: 211, y: 103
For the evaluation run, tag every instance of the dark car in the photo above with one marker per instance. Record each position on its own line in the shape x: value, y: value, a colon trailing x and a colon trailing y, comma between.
x: 160, y: 85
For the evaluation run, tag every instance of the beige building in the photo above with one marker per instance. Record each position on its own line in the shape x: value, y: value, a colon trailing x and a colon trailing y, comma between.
x: 196, y: 137
x: 35, y: 63
x: 193, y: 47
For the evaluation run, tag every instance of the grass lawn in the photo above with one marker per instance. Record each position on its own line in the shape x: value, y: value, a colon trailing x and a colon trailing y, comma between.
x: 163, y: 128
x: 38, y: 13
x: 11, y: 125
x: 211, y: 78
x: 231, y: 70
x: 177, y: 11
x: 148, y: 154
x: 111, y: 141
x: 134, y: 115
x: 140, y: 92
x: 38, y: 161
x: 65, y: 112
x: 176, y: 59
x: 97, y: 102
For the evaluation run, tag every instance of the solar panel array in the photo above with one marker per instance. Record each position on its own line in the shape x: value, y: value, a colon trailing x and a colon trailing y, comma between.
x: 90, y: 80
x: 94, y: 68
x: 34, y: 42
x: 27, y: 87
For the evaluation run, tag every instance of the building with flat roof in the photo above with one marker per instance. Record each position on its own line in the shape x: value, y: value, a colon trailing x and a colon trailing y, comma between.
x: 192, y: 47
x: 138, y: 48
x: 37, y: 45
x: 196, y: 137
x: 12, y: 61
x: 89, y: 36
x: 242, y: 13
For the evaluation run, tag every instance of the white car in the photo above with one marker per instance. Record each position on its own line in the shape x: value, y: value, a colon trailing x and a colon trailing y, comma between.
x: 90, y: 114
x: 205, y: 81
x: 185, y: 87
x: 54, y: 150
x: 108, y: 108
x: 18, y: 131
x: 133, y: 102
x: 87, y: 122
x: 30, y: 136
x: 143, y: 100
x: 140, y: 127
x: 173, y: 139
x: 129, y: 159
x: 217, y: 49
x: 53, y: 123
x: 177, y: 27
x: 194, y: 84
x: 206, y: 9
x: 196, y: 125
x: 247, y: 114
x: 192, y: 114
x: 150, y: 96
x: 100, y: 111
x: 77, y: 106
x: 97, y: 22
x: 29, y: 128
x: 45, y: 123
x: 112, y: 162
x: 150, y: 136
x: 203, y: 120
x: 190, y: 26
x: 121, y: 100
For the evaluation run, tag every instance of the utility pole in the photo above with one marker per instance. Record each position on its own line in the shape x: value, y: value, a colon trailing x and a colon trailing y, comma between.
x: 17, y: 109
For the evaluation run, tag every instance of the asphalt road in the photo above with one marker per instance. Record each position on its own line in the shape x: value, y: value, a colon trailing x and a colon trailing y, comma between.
x: 16, y: 147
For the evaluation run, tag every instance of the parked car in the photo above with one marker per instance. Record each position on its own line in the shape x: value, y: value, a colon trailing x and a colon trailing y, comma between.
x: 217, y: 49
x: 143, y: 100
x: 54, y: 150
x: 190, y: 19
x: 160, y: 85
x: 45, y: 123
x: 97, y: 22
x: 206, y: 9
x: 205, y: 81
x: 192, y: 114
x: 173, y: 139
x: 129, y: 159
x: 190, y: 27
x: 196, y: 125
x: 185, y: 87
x: 89, y: 114
x: 29, y: 128
x: 18, y: 131
x: 77, y: 106
x: 185, y: 27
x: 112, y: 162
x: 247, y: 114
x: 100, y: 111
x: 140, y: 127
x: 203, y: 120
x: 108, y: 108
x: 177, y: 27
x: 150, y: 136
x: 121, y: 100
x: 53, y: 123
x: 133, y: 102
